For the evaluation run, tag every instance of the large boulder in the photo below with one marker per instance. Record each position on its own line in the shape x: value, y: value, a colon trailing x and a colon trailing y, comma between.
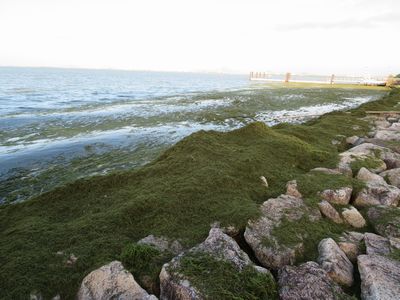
x: 353, y: 217
x: 389, y: 158
x: 335, y: 262
x: 392, y: 176
x: 259, y: 234
x: 376, y: 191
x: 330, y: 212
x: 367, y: 151
x: 385, y: 220
x: 338, y: 196
x: 307, y: 281
x: 376, y: 244
x: 111, y: 281
x: 380, y: 277
x: 175, y: 285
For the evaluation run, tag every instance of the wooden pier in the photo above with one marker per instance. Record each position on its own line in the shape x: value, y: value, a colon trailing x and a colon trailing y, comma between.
x: 319, y: 79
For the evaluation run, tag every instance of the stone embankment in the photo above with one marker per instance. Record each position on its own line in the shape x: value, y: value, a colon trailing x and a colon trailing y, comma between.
x: 365, y: 254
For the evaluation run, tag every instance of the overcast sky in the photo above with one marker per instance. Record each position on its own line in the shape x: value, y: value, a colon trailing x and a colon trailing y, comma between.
x: 312, y: 36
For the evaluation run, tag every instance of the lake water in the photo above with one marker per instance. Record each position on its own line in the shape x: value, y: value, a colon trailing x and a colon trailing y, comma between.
x: 57, y: 125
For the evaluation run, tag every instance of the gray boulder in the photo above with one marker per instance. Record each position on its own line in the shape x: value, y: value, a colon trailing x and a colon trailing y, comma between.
x: 112, y: 281
x: 380, y: 277
x: 393, y: 176
x: 307, y: 281
x: 385, y: 220
x: 334, y: 261
x: 376, y: 191
x: 376, y: 244
x: 387, y: 135
x: 259, y: 234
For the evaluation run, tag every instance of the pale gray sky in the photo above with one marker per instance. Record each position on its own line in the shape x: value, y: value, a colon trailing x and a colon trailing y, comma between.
x: 312, y: 36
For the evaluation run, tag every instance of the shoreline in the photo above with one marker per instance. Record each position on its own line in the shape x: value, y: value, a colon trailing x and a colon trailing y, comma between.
x: 204, y: 178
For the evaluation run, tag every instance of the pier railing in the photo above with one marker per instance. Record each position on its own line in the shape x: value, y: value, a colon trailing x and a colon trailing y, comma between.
x: 319, y: 79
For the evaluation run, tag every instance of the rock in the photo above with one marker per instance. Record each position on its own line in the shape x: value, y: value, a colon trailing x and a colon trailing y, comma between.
x: 387, y: 135
x: 376, y: 244
x: 162, y: 244
x: 376, y: 192
x: 264, y: 181
x: 353, y: 217
x: 394, y: 244
x: 71, y: 260
x: 367, y: 150
x: 259, y: 233
x: 385, y: 220
x: 392, y: 176
x: 330, y: 212
x: 365, y: 175
x: 352, y: 140
x: 307, y: 281
x: 333, y: 260
x: 382, y: 124
x: 111, y: 281
x: 339, y: 196
x: 174, y: 285
x: 350, y: 243
x: 291, y: 189
x: 380, y: 277
x: 392, y: 120
x: 327, y: 171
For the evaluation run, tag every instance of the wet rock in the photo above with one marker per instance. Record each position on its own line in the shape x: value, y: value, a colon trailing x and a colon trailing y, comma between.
x: 291, y: 189
x: 392, y: 176
x: 385, y: 220
x: 350, y: 243
x: 111, y: 281
x: 380, y: 277
x: 333, y: 260
x: 353, y: 217
x: 307, y: 281
x: 376, y: 244
x: 339, y: 196
x: 376, y: 192
x: 162, y: 244
x: 330, y: 212
x: 174, y: 285
x: 259, y: 233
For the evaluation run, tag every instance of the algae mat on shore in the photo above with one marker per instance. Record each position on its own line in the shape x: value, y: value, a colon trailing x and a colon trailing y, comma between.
x: 206, y: 177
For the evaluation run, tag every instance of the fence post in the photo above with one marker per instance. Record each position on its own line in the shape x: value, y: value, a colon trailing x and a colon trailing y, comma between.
x: 332, y: 78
